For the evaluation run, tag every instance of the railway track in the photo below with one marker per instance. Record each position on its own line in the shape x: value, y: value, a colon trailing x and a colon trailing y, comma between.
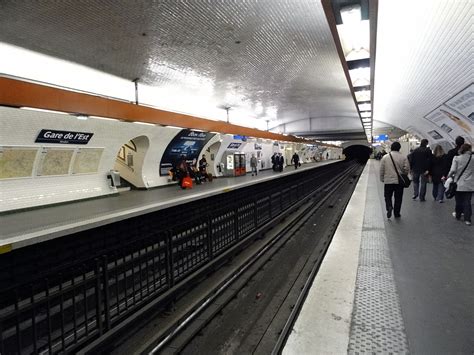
x: 200, y: 330
x: 86, y: 306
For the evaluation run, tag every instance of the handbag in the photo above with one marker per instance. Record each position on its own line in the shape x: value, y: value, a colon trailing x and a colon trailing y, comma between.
x: 403, y: 179
x: 453, y: 185
x: 451, y: 191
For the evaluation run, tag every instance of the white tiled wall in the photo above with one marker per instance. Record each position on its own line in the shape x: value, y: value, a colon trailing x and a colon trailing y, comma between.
x: 20, y: 128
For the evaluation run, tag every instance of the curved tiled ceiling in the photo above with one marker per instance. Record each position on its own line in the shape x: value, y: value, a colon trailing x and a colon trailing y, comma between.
x: 274, y: 58
x: 425, y: 58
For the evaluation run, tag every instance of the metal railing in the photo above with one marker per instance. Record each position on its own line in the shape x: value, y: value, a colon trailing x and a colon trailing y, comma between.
x: 69, y: 304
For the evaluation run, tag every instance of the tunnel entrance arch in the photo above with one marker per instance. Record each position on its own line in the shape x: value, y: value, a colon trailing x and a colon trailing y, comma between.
x: 358, y: 152
x: 130, y: 159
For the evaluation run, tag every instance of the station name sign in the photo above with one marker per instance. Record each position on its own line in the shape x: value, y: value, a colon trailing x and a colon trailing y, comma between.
x: 63, y: 137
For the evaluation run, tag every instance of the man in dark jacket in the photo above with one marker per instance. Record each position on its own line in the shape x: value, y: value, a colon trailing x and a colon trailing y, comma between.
x: 295, y: 159
x: 420, y: 166
x: 453, y: 152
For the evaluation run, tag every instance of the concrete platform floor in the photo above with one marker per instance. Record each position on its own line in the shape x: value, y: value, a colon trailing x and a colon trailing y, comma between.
x: 413, y: 291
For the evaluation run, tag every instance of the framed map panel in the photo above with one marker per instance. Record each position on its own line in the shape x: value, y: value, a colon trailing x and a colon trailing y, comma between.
x: 87, y: 160
x: 55, y: 161
x: 17, y: 162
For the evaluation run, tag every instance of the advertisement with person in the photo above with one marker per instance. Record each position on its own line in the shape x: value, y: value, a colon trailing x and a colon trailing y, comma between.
x: 188, y: 143
x: 455, y: 117
x: 463, y: 104
x: 449, y: 124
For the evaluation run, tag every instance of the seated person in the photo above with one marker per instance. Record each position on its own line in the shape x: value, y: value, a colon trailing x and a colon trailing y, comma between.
x: 203, y: 167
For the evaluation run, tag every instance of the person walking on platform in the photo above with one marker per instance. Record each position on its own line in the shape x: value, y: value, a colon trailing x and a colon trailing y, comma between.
x: 439, y: 171
x: 281, y: 162
x: 391, y: 166
x: 420, y: 165
x: 295, y: 159
x: 253, y: 165
x: 462, y: 172
x: 274, y: 161
x: 455, y: 151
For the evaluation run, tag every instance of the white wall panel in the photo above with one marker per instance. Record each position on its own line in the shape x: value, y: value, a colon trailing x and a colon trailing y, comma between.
x: 20, y: 128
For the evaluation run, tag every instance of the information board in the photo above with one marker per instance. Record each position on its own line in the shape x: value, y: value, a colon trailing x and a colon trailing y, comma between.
x: 188, y: 143
x: 55, y: 161
x: 17, y: 162
x: 87, y: 160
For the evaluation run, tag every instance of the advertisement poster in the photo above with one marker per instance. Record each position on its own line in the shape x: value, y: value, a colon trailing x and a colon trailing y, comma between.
x: 435, y: 135
x: 463, y: 104
x: 455, y: 117
x: 188, y: 143
x: 451, y: 125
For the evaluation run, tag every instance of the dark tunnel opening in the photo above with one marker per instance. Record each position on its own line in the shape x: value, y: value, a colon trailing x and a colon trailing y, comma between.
x: 361, y: 153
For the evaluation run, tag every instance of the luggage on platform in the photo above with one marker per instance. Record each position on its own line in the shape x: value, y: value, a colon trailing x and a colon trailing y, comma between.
x: 187, y: 183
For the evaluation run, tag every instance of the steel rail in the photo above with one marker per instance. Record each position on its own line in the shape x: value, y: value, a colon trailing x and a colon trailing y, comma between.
x: 283, y: 236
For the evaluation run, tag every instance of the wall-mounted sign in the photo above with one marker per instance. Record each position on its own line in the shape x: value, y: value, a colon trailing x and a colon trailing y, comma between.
x: 239, y: 137
x: 435, y: 135
x: 257, y: 146
x: 188, y: 143
x: 230, y: 162
x: 63, y: 137
x: 234, y: 145
x: 381, y: 138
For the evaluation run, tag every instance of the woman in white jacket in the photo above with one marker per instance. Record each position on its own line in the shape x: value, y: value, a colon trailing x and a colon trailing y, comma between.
x: 465, y: 182
x: 389, y: 176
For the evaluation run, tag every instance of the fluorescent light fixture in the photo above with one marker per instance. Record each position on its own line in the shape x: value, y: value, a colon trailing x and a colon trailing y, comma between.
x: 82, y: 117
x: 43, y: 110
x: 105, y: 118
x: 368, y: 119
x: 358, y: 54
x: 365, y: 107
x: 363, y: 95
x: 360, y: 76
x: 351, y: 14
x: 144, y: 123
x: 366, y: 114
x: 174, y: 127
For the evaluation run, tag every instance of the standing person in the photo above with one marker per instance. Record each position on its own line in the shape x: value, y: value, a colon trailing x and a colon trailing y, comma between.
x: 439, y: 171
x: 295, y: 159
x: 462, y: 171
x: 203, y: 167
x: 390, y: 164
x: 455, y: 151
x: 182, y: 170
x: 281, y: 162
x: 274, y: 161
x: 253, y: 165
x: 420, y: 165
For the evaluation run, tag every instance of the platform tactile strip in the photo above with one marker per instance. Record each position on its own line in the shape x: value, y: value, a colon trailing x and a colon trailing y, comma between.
x: 377, y: 325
